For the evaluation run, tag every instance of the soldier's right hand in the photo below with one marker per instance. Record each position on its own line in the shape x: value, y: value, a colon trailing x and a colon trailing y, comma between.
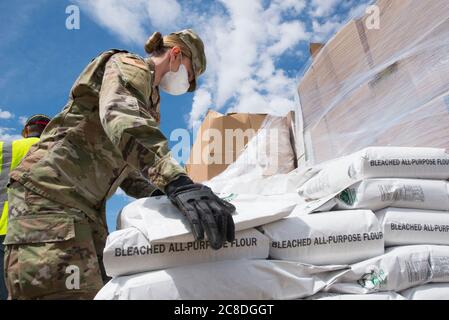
x: 205, y: 211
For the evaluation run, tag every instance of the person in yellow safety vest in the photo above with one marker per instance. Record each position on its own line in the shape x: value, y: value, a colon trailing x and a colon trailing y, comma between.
x: 11, y: 153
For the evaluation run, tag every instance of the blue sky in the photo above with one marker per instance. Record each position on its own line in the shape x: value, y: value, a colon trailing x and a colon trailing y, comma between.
x: 256, y: 50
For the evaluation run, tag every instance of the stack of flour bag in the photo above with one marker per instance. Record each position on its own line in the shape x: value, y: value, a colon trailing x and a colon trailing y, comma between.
x: 371, y: 225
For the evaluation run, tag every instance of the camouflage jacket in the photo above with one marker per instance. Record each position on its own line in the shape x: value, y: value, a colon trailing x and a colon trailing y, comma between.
x: 106, y: 136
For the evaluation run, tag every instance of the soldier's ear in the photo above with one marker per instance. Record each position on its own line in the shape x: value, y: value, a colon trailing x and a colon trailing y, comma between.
x: 175, y: 53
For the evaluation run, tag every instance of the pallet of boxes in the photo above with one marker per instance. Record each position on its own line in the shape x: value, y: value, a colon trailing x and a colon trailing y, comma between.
x: 365, y: 89
x: 366, y: 213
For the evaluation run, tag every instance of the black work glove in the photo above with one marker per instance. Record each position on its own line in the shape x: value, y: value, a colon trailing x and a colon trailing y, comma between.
x: 204, y: 210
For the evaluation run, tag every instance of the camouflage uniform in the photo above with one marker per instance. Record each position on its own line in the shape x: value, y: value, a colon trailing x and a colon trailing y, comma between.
x: 37, y: 264
x: 106, y: 136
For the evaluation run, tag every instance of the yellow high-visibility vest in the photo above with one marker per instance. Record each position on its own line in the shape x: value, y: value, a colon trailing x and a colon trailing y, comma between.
x: 11, y: 153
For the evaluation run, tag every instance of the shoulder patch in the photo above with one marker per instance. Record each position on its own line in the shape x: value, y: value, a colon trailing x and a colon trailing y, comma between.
x: 135, y: 62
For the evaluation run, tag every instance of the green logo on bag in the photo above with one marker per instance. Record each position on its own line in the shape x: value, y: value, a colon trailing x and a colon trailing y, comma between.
x: 373, y: 279
x: 348, y: 196
x: 229, y: 197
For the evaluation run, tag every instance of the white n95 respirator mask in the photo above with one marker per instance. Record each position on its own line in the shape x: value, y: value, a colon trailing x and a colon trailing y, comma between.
x: 175, y: 83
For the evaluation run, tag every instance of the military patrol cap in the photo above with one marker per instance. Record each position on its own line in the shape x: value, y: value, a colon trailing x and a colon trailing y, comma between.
x: 196, y: 46
x: 190, y: 44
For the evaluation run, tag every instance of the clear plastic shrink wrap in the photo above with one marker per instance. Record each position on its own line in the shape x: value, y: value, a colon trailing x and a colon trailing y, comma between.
x: 379, y: 86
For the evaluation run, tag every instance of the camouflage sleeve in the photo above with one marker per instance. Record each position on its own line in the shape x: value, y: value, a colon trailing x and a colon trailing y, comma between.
x: 124, y: 95
x: 136, y: 186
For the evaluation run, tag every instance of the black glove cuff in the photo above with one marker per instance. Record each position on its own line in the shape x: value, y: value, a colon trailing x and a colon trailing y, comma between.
x: 180, y: 181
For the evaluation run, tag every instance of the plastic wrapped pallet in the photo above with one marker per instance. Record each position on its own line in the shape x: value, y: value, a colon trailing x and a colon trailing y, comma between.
x: 160, y: 221
x: 398, y: 269
x: 385, y: 85
x: 377, y: 194
x: 412, y: 226
x: 128, y: 251
x: 225, y: 280
x: 327, y: 238
x: 267, y: 154
x: 377, y: 162
x: 433, y: 291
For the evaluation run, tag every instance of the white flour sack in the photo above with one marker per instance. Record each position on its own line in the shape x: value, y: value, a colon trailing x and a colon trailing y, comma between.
x: 340, y: 237
x: 433, y: 291
x: 224, y: 280
x: 128, y: 251
x: 377, y: 162
x: 398, y: 269
x: 412, y: 226
x: 161, y: 221
x: 377, y: 194
x: 372, y: 296
x: 258, y: 184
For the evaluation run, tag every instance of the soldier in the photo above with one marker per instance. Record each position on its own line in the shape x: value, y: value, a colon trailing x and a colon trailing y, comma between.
x: 11, y: 153
x: 106, y: 136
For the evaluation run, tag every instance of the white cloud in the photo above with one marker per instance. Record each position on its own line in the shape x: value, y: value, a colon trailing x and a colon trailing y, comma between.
x: 326, y: 22
x: 358, y: 10
x: 244, y: 39
x: 130, y: 19
x: 323, y: 8
x: 242, y: 47
x: 124, y: 18
x: 290, y: 33
x: 292, y: 5
x: 163, y: 13
x: 8, y: 134
x: 5, y: 115
x: 23, y: 120
x: 202, y: 101
x: 322, y: 32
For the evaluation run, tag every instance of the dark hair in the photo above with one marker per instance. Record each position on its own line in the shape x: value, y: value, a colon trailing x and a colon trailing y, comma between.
x: 155, y: 44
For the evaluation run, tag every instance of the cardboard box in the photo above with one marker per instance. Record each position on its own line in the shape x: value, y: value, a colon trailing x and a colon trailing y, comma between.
x: 309, y: 96
x: 314, y: 48
x: 427, y: 126
x: 334, y: 70
x: 220, y: 140
x: 318, y: 142
x: 349, y: 54
x: 402, y: 25
x: 296, y: 142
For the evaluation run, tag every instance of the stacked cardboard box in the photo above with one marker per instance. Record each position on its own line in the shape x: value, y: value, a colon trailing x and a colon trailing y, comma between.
x: 210, y: 156
x: 386, y: 86
x: 222, y: 138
